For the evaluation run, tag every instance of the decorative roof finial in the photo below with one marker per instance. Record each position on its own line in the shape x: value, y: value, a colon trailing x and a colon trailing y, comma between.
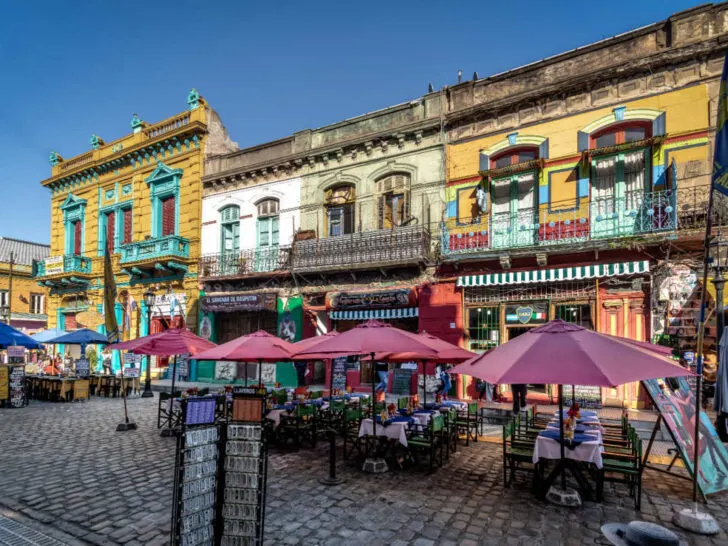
x: 54, y: 159
x: 136, y: 123
x: 96, y: 142
x: 193, y: 99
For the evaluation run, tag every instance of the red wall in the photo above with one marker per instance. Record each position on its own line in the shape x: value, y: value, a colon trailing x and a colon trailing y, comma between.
x: 440, y: 306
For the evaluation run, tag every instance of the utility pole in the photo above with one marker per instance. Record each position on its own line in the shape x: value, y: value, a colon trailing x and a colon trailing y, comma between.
x: 10, y: 288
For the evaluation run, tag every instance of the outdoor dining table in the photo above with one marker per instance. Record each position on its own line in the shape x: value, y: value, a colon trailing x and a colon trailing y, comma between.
x: 395, y: 430
x: 588, y: 450
x: 276, y: 413
x: 423, y: 417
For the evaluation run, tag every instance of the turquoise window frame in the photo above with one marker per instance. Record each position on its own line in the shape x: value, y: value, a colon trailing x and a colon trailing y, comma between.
x: 228, y: 220
x: 73, y: 209
x: 118, y: 210
x: 163, y: 182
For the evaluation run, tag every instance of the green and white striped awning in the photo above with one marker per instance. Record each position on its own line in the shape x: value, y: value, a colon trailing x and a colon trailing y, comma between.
x: 366, y: 314
x: 555, y: 275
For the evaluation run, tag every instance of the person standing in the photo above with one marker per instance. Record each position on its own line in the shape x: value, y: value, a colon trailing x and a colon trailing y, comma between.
x: 519, y: 391
x: 300, y: 372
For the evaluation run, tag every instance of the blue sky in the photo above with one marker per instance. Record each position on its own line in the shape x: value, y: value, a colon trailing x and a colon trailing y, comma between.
x: 269, y: 68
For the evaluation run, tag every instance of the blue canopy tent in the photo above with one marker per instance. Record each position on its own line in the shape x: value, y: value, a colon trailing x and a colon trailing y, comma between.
x: 11, y: 336
x: 45, y: 335
x: 81, y: 337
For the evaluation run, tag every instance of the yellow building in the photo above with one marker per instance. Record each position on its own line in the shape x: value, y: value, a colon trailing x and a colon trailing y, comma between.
x: 138, y: 196
x: 20, y: 295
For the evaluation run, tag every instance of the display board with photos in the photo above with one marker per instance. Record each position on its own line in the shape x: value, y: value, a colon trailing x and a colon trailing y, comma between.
x: 196, y: 474
x: 245, y: 471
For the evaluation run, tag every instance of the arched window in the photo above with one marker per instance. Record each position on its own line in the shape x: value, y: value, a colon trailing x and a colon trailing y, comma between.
x: 622, y: 133
x: 339, y: 202
x: 268, y: 223
x: 230, y: 228
x: 514, y: 156
x: 394, y: 199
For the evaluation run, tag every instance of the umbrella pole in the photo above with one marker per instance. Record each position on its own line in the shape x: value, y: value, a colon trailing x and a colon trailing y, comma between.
x: 260, y: 371
x: 561, y: 435
x: 424, y: 384
x: 174, y: 375
x: 573, y: 398
x: 374, y: 401
x: 246, y: 373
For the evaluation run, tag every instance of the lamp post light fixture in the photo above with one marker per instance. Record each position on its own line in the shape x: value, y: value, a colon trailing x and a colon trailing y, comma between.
x: 149, y: 298
x: 5, y: 314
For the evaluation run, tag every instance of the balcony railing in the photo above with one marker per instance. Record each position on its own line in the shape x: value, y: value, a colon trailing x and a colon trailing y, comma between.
x: 170, y: 246
x: 246, y: 262
x: 629, y: 215
x: 401, y: 245
x: 62, y: 265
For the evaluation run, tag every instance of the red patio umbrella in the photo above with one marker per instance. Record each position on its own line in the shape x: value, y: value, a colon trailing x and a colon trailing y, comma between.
x: 259, y: 346
x: 310, y: 342
x: 568, y: 354
x: 370, y: 338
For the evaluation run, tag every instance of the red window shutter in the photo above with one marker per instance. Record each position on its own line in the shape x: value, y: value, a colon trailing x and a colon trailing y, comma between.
x: 126, y: 237
x: 110, y: 231
x: 70, y: 321
x: 168, y: 216
x: 77, y: 238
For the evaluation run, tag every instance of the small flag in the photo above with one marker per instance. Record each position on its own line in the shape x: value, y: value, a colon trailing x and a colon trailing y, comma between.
x: 112, y: 328
x: 720, y: 157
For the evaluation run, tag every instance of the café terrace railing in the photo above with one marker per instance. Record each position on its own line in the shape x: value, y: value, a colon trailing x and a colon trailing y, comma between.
x: 71, y: 264
x: 169, y: 246
x: 632, y: 214
x: 401, y: 245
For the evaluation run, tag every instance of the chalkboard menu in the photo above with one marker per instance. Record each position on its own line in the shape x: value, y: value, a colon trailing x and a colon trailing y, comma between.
x: 196, y: 476
x: 586, y: 396
x: 402, y: 381
x: 82, y: 367
x: 4, y: 384
x: 338, y: 372
x: 18, y: 399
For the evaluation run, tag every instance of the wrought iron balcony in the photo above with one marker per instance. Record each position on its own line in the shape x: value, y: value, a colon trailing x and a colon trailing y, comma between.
x: 62, y: 265
x: 632, y: 214
x: 159, y: 248
x: 248, y: 262
x: 402, y: 245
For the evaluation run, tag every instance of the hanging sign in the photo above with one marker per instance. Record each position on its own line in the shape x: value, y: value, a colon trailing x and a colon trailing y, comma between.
x: 53, y: 265
x: 266, y: 301
x: 370, y: 300
x: 16, y: 351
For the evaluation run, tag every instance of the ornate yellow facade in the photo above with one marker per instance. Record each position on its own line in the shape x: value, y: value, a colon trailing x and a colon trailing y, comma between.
x: 139, y: 196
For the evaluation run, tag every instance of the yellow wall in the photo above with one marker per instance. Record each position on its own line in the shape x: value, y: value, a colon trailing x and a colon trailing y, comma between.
x: 23, y: 286
x: 188, y: 158
x: 685, y: 110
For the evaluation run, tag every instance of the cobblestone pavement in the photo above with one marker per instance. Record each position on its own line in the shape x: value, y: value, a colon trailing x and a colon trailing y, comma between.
x: 65, y: 467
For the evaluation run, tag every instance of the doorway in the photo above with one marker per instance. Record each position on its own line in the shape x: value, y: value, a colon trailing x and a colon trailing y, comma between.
x: 514, y: 332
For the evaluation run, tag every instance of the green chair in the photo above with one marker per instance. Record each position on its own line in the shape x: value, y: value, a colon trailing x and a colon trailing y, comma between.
x: 403, y: 402
x: 451, y: 431
x: 300, y: 427
x: 430, y: 441
x: 623, y: 468
x: 517, y: 455
x: 351, y: 424
x: 469, y: 423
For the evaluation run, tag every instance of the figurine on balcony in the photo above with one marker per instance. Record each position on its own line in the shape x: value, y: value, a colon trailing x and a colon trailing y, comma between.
x: 481, y: 197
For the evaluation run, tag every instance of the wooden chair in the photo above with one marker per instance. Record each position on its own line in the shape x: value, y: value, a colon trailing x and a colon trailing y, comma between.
x: 300, y: 427
x: 516, y: 454
x: 351, y: 424
x: 623, y: 468
x: 468, y: 422
x: 429, y: 440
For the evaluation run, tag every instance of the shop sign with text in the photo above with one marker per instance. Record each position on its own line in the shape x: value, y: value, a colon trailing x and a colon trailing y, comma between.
x: 240, y: 302
x: 368, y: 300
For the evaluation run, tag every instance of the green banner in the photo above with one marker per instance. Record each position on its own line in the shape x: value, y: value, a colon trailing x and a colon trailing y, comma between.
x: 290, y: 318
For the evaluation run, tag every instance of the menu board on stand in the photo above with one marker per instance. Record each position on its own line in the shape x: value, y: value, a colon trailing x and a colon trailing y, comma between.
x: 245, y: 470
x: 338, y: 372
x: 83, y: 368
x: 194, y: 508
x: 16, y: 383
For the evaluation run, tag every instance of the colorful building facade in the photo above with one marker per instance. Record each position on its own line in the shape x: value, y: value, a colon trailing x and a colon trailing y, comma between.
x: 22, y: 301
x: 570, y: 198
x: 139, y: 198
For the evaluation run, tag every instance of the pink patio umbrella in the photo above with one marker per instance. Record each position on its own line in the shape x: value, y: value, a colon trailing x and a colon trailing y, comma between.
x: 311, y: 342
x: 370, y: 338
x: 568, y: 354
x: 259, y: 346
x: 174, y: 341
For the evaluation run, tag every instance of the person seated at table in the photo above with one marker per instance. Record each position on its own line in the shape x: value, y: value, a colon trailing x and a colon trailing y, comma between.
x: 51, y: 368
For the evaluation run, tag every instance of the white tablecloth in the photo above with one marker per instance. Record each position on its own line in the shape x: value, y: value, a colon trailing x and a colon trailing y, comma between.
x: 395, y: 431
x: 275, y: 416
x: 590, y: 452
x: 424, y: 419
x: 595, y: 430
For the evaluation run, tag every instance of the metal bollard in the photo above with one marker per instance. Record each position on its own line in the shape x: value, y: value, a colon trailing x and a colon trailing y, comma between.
x: 332, y: 479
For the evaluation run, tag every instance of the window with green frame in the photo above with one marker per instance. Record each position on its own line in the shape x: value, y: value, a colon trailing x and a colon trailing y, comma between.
x: 483, y: 328
x: 230, y: 229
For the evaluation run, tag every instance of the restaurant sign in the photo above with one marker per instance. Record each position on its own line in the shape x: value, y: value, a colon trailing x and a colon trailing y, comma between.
x: 369, y: 300
x: 240, y: 302
x: 535, y: 312
x: 53, y: 265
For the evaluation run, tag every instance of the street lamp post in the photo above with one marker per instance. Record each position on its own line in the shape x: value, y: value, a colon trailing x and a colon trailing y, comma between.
x: 149, y: 298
